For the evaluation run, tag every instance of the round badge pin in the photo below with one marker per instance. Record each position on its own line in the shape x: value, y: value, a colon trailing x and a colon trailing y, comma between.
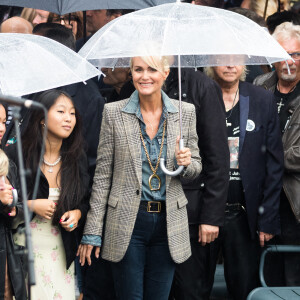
x: 250, y: 125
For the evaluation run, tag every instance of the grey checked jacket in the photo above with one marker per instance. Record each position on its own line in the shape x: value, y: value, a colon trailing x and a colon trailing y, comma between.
x: 118, y: 181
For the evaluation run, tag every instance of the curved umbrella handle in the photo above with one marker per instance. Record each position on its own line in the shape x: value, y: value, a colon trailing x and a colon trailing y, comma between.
x: 165, y: 170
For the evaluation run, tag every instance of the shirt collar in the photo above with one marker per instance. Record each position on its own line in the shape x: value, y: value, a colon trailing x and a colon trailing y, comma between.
x: 133, y: 105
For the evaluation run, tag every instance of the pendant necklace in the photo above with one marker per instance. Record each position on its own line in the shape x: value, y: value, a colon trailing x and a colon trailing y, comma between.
x: 50, y: 170
x: 281, y: 104
x: 154, y: 175
x: 227, y: 123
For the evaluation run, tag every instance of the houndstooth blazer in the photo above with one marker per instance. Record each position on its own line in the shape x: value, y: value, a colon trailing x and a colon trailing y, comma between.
x: 118, y: 181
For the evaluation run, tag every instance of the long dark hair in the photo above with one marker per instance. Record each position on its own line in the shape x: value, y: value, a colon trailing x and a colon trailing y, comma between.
x: 72, y: 192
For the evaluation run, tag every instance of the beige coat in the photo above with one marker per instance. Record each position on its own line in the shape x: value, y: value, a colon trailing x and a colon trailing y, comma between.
x: 118, y: 181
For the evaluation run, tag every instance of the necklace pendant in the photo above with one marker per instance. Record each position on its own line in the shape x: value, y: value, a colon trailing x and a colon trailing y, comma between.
x: 228, y: 124
x: 150, y: 185
x: 50, y: 170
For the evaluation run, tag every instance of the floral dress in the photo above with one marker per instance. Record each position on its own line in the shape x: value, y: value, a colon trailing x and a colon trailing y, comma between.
x: 53, y: 281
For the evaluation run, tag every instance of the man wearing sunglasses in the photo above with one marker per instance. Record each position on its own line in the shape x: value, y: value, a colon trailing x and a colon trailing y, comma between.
x: 284, y: 83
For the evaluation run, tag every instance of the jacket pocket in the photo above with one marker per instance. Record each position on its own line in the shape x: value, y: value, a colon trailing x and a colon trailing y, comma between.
x: 113, y: 201
x: 181, y: 202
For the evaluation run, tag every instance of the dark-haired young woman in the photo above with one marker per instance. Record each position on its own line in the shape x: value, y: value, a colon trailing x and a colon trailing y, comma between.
x: 62, y: 200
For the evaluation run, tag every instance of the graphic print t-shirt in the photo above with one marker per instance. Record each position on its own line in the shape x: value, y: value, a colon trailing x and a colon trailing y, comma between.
x: 235, y: 191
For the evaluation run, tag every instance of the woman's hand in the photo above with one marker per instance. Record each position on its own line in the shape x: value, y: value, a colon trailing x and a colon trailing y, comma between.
x: 84, y: 252
x: 69, y: 220
x: 6, y: 196
x: 42, y: 207
x: 12, y: 212
x: 183, y: 156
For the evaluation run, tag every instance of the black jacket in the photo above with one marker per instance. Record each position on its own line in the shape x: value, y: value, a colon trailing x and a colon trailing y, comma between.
x: 207, y: 206
x: 7, y: 251
x: 71, y: 240
x: 260, y: 158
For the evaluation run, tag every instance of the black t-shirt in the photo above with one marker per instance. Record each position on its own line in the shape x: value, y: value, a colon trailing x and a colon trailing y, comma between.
x: 235, y: 191
x: 283, y: 101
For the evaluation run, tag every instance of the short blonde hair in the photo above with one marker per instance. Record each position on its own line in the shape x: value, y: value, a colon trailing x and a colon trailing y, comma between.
x: 4, y: 163
x: 159, y: 63
x: 209, y: 71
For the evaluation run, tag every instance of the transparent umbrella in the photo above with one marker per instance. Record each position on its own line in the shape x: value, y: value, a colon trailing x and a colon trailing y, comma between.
x: 31, y: 63
x: 192, y: 35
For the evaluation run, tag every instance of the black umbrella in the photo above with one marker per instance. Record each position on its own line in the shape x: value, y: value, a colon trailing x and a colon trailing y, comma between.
x: 62, y: 7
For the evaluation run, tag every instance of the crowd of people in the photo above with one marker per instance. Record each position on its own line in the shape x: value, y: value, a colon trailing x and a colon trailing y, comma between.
x: 106, y: 219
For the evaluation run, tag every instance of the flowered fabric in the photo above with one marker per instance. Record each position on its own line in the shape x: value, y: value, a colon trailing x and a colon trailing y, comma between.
x: 54, y: 282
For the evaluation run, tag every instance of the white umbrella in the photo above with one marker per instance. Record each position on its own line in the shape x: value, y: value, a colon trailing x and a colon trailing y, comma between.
x: 192, y: 35
x: 31, y: 63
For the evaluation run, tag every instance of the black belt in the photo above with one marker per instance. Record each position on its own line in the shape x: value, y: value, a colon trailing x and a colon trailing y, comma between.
x: 234, y: 207
x: 153, y: 206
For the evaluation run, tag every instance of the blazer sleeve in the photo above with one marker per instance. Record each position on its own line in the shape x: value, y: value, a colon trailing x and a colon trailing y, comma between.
x: 102, y: 178
x: 268, y: 221
x: 213, y: 145
x: 193, y: 170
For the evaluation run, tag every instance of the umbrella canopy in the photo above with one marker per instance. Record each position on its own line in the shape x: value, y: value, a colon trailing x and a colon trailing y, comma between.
x: 201, y: 35
x: 62, y: 7
x: 31, y: 63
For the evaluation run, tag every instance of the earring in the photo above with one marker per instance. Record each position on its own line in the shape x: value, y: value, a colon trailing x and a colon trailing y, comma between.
x: 43, y: 125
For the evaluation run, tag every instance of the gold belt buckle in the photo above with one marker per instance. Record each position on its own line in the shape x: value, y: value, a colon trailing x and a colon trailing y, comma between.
x: 154, y: 211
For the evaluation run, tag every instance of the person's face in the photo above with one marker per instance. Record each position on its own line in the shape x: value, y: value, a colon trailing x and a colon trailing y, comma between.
x: 146, y: 80
x: 2, y: 121
x: 41, y: 17
x: 116, y: 77
x: 290, y: 46
x: 68, y: 21
x: 96, y: 19
x: 61, y: 118
x: 228, y: 74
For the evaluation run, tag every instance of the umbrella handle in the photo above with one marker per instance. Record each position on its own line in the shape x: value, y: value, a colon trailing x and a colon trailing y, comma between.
x: 165, y: 170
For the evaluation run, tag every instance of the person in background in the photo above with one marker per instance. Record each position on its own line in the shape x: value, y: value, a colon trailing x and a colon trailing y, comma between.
x: 63, y: 192
x: 41, y: 16
x: 28, y: 14
x: 121, y: 81
x: 256, y: 169
x: 73, y: 21
x: 12, y: 279
x: 284, y: 82
x: 16, y: 25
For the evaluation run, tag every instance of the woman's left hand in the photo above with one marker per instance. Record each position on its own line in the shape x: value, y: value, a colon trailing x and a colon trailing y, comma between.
x: 183, y: 156
x: 69, y: 220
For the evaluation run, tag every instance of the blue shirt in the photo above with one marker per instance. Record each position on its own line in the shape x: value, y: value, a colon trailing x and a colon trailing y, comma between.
x: 153, y: 148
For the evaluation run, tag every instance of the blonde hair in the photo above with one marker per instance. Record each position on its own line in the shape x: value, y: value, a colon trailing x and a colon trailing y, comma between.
x: 159, y: 63
x: 209, y: 71
x: 28, y: 14
x: 4, y: 163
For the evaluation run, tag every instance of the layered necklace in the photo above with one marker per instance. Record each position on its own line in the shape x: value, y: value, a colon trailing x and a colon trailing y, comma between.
x: 233, y: 103
x: 154, y: 170
x: 50, y: 170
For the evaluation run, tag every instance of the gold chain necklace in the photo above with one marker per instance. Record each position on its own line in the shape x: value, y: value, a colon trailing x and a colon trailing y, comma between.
x: 154, y: 175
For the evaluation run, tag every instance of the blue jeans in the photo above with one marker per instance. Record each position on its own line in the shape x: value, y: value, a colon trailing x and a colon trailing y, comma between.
x: 147, y: 269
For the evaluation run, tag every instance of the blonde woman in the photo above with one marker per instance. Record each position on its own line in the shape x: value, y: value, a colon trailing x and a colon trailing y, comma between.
x: 146, y: 230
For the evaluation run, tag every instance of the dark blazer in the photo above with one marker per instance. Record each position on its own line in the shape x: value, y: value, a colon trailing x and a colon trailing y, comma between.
x: 207, y: 194
x: 260, y: 158
x: 7, y: 251
x: 71, y: 240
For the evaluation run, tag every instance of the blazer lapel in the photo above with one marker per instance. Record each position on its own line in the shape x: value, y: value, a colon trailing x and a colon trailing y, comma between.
x: 132, y: 129
x: 172, y: 133
x: 244, y: 112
